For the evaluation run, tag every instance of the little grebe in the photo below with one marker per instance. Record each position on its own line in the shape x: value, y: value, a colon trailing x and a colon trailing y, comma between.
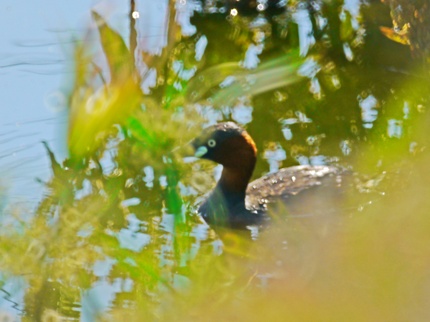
x: 236, y: 204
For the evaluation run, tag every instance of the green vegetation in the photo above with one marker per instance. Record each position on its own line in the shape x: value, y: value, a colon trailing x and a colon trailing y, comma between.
x: 119, y: 212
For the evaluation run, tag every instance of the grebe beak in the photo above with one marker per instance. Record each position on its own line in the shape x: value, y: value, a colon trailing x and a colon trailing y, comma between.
x: 201, y: 151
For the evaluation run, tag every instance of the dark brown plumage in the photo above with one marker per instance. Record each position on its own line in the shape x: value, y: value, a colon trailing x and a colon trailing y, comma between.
x: 236, y: 204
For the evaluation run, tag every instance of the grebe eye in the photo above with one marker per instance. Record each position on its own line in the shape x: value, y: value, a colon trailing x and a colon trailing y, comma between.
x: 211, y: 143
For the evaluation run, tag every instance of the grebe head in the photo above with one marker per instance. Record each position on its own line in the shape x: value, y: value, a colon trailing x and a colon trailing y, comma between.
x: 227, y: 144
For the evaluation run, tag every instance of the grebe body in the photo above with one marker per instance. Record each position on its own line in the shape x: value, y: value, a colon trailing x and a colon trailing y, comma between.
x: 236, y: 203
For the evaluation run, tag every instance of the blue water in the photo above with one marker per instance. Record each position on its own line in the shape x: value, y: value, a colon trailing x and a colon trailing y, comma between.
x: 36, y: 41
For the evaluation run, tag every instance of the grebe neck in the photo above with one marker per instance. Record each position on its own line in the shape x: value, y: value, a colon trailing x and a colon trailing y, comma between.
x: 234, y: 180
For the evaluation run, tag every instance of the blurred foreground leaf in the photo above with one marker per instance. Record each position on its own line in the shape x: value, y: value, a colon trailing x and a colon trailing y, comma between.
x: 94, y: 108
x: 229, y: 81
x: 93, y: 114
x: 119, y: 58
